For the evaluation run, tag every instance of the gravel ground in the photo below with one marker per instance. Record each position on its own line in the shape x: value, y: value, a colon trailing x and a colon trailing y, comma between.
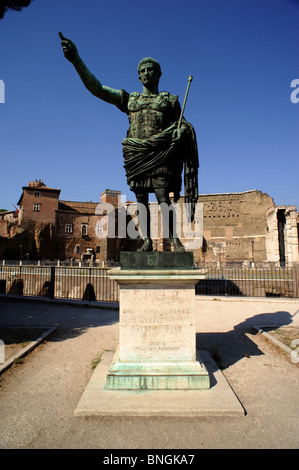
x: 39, y: 396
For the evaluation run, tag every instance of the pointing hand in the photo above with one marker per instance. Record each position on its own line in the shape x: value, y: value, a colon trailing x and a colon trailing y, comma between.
x: 69, y: 49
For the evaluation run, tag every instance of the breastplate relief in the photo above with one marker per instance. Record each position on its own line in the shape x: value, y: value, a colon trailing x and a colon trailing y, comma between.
x: 148, y: 115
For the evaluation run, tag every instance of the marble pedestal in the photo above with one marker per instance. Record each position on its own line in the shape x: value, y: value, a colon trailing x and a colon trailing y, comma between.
x: 157, y: 348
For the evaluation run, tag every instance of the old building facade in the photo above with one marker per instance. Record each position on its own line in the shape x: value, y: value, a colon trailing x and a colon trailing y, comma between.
x: 46, y: 227
x: 244, y: 227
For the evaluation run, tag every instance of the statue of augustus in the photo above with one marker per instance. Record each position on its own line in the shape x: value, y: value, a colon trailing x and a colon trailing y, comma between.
x: 156, y: 148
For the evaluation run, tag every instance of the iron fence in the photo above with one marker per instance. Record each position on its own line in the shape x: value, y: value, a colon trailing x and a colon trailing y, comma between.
x: 82, y: 283
x: 94, y: 283
x: 255, y: 282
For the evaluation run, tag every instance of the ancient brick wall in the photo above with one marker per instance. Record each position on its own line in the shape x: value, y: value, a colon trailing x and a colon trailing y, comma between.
x: 3, y: 228
x: 235, y: 227
x: 230, y: 228
x: 282, y: 235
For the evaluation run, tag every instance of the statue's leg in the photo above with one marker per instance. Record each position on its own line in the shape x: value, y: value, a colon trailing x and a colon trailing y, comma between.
x: 162, y: 195
x: 144, y: 220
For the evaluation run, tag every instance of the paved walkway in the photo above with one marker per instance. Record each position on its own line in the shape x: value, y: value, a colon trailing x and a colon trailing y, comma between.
x: 39, y: 396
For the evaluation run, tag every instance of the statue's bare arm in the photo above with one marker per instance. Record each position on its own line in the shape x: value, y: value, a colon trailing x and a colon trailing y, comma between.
x: 110, y: 95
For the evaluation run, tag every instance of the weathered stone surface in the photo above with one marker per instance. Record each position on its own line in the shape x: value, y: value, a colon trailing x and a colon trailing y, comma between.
x: 219, y: 400
x: 156, y: 260
x: 157, y: 347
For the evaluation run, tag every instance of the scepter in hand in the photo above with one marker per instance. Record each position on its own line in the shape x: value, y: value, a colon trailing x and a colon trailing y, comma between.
x: 190, y: 78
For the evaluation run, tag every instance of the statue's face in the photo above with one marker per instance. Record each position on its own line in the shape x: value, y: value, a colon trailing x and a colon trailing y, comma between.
x: 148, y: 74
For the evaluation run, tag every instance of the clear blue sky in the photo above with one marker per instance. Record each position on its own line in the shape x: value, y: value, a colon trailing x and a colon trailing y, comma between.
x: 243, y: 55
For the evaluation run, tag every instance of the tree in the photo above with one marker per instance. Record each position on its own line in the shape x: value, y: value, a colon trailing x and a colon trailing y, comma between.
x: 12, y: 5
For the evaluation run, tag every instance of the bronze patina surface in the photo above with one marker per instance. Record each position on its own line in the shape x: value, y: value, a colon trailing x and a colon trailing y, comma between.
x: 159, y: 144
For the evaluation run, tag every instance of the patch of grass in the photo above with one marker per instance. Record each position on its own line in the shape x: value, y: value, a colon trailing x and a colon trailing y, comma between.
x: 98, y: 359
x: 18, y: 360
x: 16, y: 339
x: 284, y: 334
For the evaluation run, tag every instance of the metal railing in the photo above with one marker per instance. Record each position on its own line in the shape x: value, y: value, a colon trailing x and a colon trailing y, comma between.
x: 94, y: 283
x: 82, y: 283
x: 255, y: 282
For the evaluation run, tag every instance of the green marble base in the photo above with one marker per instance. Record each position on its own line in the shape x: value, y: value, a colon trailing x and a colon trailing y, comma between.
x: 188, y: 375
x: 156, y: 260
x: 157, y: 347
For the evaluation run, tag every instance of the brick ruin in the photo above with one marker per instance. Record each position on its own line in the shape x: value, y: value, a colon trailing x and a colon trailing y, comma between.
x: 244, y: 228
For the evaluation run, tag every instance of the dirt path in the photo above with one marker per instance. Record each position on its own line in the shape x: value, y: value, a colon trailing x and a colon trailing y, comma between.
x: 39, y: 396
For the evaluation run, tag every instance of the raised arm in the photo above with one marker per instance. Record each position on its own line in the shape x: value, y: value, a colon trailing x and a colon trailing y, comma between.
x: 92, y: 84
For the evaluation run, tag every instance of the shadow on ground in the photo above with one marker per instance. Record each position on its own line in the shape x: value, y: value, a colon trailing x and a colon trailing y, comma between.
x: 70, y: 320
x: 229, y: 347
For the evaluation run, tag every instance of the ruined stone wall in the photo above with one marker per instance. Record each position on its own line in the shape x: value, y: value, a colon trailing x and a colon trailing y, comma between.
x: 272, y: 244
x: 291, y: 236
x: 282, y: 244
x: 234, y: 227
x: 3, y: 228
x: 228, y: 228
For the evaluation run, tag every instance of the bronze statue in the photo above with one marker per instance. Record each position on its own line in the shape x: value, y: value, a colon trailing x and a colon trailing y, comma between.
x: 159, y: 141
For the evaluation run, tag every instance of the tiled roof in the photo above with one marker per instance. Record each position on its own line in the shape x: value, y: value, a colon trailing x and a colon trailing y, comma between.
x: 75, y: 206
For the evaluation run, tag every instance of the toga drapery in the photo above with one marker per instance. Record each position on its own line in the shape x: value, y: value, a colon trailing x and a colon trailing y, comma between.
x: 142, y: 156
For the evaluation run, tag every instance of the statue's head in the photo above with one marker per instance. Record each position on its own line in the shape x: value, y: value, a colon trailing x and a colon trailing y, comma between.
x: 150, y: 60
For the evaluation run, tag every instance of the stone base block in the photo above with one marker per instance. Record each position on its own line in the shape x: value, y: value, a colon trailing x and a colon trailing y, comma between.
x: 188, y: 375
x: 219, y: 400
x: 156, y: 260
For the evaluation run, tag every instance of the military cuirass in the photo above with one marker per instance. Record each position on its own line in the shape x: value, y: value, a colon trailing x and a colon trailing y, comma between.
x: 149, y: 115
